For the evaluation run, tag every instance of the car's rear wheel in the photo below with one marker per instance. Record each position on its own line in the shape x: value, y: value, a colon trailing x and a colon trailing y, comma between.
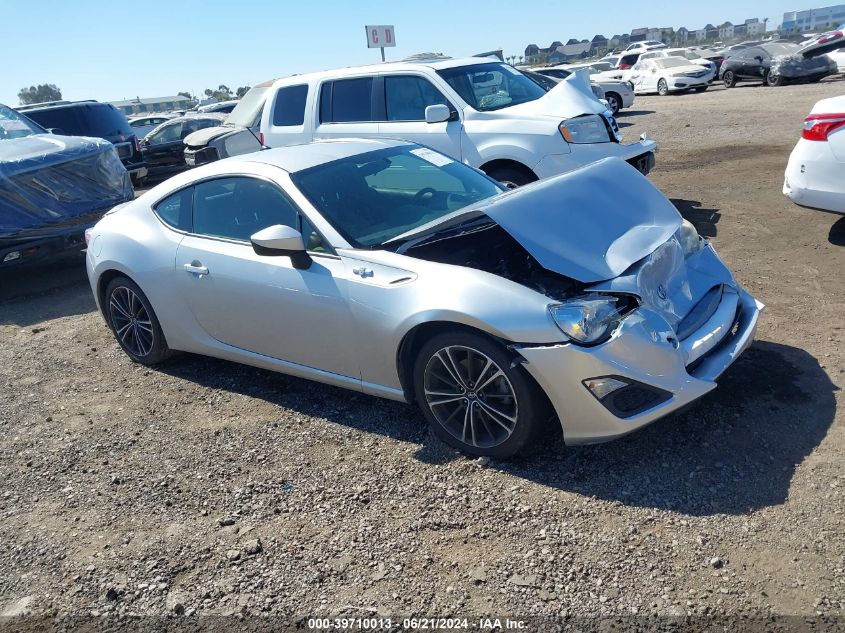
x: 729, y: 79
x: 511, y: 177
x: 133, y: 322
x: 614, y: 101
x: 773, y: 80
x: 475, y: 398
x: 662, y: 88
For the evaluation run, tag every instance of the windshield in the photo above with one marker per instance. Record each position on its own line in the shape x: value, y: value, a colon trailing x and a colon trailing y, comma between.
x: 670, y: 62
x: 13, y: 125
x: 374, y: 197
x: 248, y: 111
x: 491, y: 86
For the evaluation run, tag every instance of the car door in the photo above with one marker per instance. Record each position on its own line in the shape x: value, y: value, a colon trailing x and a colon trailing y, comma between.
x: 158, y: 148
x: 406, y: 97
x: 260, y: 303
x: 643, y: 76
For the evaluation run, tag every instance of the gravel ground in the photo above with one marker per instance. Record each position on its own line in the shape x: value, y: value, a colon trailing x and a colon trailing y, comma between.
x: 204, y: 487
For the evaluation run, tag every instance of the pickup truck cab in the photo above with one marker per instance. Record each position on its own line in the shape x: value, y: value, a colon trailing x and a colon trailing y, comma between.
x: 484, y: 113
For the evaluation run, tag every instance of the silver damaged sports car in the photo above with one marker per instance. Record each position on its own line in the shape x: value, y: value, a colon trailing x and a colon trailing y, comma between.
x: 388, y: 268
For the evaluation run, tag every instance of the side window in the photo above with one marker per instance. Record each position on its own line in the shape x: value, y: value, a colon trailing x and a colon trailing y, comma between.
x: 289, y: 108
x: 175, y: 209
x: 312, y: 240
x: 407, y: 97
x: 350, y: 101
x: 237, y: 207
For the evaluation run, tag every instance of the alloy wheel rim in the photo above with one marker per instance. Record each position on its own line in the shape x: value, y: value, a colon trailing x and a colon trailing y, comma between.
x: 470, y: 396
x: 132, y: 324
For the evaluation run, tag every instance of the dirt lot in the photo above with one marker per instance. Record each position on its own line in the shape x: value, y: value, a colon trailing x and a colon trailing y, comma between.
x: 210, y: 488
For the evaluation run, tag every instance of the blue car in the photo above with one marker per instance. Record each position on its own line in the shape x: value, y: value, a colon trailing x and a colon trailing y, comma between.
x: 52, y: 188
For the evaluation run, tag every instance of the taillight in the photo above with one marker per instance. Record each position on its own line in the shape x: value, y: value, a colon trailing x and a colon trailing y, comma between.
x: 624, y: 66
x: 261, y: 138
x: 818, y: 127
x: 830, y: 37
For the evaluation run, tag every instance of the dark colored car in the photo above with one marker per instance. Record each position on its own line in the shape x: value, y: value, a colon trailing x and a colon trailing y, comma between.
x: 775, y: 64
x: 164, y: 147
x: 90, y: 118
x: 52, y: 188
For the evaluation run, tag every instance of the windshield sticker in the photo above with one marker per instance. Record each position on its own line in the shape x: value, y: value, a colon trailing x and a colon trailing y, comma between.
x: 430, y: 156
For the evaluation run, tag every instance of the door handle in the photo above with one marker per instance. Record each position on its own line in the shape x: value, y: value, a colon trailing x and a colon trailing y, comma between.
x: 195, y: 268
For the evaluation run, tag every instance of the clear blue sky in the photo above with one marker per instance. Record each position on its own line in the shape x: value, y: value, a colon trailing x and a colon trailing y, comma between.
x: 109, y: 50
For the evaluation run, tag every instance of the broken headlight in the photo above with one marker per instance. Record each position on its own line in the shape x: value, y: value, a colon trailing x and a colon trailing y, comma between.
x: 591, y: 319
x: 689, y: 238
x: 589, y: 128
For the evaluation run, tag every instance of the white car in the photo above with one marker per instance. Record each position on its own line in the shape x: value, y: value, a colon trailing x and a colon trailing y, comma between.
x: 482, y: 112
x: 838, y: 56
x: 670, y: 74
x: 684, y: 53
x: 618, y: 94
x: 815, y: 174
x: 648, y: 45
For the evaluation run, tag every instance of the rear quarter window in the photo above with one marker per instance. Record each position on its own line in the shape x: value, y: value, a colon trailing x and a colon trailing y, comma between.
x: 176, y: 210
x: 289, y: 108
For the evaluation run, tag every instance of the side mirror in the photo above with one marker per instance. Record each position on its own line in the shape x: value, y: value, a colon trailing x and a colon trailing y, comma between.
x: 281, y: 241
x: 437, y: 113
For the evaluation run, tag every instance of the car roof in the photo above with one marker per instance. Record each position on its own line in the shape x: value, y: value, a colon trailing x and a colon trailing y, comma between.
x: 293, y: 158
x: 436, y: 63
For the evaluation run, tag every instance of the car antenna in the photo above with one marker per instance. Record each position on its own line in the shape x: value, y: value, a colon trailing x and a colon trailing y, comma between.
x: 263, y: 146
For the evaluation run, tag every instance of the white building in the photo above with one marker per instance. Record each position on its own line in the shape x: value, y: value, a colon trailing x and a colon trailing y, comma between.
x: 753, y: 27
x: 726, y: 31
x: 815, y: 20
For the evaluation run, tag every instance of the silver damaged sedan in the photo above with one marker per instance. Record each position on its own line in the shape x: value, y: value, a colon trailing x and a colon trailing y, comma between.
x: 388, y: 268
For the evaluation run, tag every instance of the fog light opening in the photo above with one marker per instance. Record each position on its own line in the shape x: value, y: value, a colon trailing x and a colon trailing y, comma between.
x: 603, y: 387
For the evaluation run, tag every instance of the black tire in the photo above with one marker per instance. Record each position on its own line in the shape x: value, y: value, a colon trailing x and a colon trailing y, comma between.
x: 662, y: 88
x: 503, y: 417
x: 773, y: 79
x: 700, y: 88
x: 511, y: 176
x: 133, y: 322
x: 729, y: 79
x: 614, y: 101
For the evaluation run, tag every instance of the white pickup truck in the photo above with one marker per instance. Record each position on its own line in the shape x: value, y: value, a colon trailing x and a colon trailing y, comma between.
x: 485, y: 113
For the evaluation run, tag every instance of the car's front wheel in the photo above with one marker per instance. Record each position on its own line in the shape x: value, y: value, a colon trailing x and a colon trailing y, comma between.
x: 662, y: 88
x: 133, y: 322
x: 511, y: 177
x: 729, y: 79
x: 614, y: 101
x: 774, y: 80
x: 475, y: 397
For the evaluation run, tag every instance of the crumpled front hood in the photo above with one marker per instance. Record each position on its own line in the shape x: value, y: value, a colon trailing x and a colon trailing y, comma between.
x: 570, y: 98
x: 204, y: 136
x: 590, y: 224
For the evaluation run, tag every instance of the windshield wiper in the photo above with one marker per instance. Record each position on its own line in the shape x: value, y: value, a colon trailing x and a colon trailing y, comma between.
x: 462, y: 228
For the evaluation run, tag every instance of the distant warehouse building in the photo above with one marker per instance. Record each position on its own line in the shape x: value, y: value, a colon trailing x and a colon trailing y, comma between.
x: 814, y: 19
x: 154, y: 104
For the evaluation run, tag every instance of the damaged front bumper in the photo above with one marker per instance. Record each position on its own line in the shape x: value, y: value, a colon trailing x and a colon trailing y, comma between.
x: 661, y: 373
x: 640, y: 155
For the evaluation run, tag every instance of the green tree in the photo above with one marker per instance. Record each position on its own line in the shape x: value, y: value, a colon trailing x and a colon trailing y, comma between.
x: 39, y: 93
x: 185, y: 94
x: 240, y: 92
